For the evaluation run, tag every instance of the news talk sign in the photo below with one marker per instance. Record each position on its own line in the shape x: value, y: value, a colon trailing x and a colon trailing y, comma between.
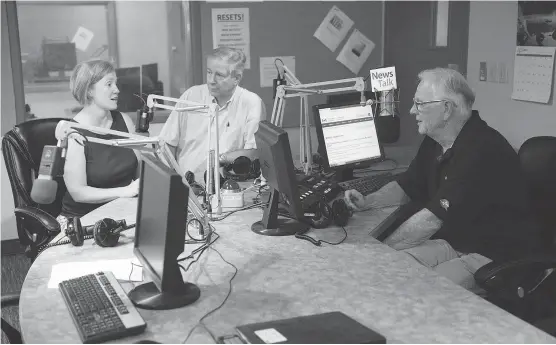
x: 383, y: 79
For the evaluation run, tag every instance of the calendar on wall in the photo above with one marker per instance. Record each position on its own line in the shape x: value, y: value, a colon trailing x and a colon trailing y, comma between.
x: 533, y: 73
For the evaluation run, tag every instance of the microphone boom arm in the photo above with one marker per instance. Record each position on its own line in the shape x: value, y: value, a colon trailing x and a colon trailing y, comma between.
x: 66, y: 128
x: 213, y: 161
x: 294, y: 88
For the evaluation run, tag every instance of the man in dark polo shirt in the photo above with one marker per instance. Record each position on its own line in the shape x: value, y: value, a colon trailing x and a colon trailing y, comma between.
x: 465, y: 183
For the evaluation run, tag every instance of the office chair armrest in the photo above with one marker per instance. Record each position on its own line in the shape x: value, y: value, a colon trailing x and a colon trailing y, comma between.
x: 515, y: 278
x: 33, y: 216
x: 10, y: 300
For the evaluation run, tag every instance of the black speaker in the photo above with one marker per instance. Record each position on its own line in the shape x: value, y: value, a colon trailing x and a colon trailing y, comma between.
x: 388, y: 128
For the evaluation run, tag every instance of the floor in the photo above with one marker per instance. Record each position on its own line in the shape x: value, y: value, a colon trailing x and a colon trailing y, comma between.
x: 14, y: 270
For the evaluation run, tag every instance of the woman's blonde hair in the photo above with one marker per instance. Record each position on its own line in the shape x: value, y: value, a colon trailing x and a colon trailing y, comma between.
x: 85, y: 75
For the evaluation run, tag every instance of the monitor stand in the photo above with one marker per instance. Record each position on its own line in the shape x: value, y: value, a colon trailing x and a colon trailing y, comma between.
x: 177, y: 295
x: 271, y: 225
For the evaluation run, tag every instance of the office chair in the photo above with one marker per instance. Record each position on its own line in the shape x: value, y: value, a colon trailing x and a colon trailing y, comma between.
x: 522, y: 286
x: 22, y: 149
x: 13, y: 335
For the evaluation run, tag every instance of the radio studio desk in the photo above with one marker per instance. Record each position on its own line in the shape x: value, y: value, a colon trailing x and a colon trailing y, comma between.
x: 283, y: 277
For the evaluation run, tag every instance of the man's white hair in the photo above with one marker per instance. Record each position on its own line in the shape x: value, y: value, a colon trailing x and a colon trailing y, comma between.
x: 234, y: 57
x: 450, y: 84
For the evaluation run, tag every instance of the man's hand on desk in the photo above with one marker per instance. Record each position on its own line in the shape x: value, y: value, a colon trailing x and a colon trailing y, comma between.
x: 391, y: 194
x: 355, y: 200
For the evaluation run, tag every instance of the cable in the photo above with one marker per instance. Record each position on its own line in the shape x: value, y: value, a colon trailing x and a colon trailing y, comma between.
x: 201, y: 248
x: 201, y: 323
x: 311, y: 239
x: 276, y: 66
x: 141, y: 98
x: 337, y: 243
x: 132, y: 264
x: 222, y: 339
x: 195, y: 260
x: 240, y: 209
x: 58, y: 243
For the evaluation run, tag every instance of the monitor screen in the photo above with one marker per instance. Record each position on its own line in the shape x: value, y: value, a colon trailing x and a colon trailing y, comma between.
x: 347, y: 135
x: 150, y: 72
x: 160, y: 237
x: 275, y: 157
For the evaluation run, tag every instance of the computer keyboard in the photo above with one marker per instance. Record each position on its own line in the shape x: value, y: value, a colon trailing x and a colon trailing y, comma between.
x: 368, y: 184
x: 100, y: 308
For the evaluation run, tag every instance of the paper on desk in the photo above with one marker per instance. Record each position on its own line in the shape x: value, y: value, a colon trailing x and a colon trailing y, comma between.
x: 122, y: 270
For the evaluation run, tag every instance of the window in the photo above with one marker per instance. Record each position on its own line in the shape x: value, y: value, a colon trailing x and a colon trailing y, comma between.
x: 144, y: 39
x: 54, y: 37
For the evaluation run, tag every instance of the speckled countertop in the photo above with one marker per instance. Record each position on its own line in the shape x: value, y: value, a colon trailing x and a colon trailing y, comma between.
x: 281, y: 277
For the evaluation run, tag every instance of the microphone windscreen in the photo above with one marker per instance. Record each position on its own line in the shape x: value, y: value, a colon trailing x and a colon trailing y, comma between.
x: 44, y: 191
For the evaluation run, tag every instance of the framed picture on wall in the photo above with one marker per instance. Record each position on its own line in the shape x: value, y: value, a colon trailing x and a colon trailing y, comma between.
x: 536, y: 23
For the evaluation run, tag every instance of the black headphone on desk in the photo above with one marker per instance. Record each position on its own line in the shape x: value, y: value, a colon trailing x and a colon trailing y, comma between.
x: 241, y: 169
x: 321, y: 214
x: 105, y: 232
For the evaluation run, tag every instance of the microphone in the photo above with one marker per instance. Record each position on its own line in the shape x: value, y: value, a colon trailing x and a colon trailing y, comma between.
x: 144, y: 117
x: 387, y: 118
x: 51, y: 166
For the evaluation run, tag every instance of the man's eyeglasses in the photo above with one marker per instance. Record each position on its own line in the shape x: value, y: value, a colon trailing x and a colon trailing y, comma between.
x: 217, y: 76
x: 419, y: 105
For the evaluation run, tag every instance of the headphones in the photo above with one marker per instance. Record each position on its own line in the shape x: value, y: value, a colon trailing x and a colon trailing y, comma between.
x: 241, y: 169
x: 322, y: 214
x: 105, y: 232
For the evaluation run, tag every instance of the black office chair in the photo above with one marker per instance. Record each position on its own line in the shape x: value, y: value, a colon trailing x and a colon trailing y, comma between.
x: 22, y: 149
x: 527, y: 287
x: 13, y: 335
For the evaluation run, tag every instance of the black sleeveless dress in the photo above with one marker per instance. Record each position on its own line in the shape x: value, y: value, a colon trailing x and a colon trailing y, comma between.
x: 106, y: 167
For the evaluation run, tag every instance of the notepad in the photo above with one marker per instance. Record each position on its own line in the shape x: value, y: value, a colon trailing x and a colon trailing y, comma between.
x: 122, y: 269
x: 327, y: 328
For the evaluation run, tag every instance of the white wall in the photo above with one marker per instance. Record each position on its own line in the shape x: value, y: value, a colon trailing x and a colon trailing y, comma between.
x: 143, y: 36
x: 492, y: 37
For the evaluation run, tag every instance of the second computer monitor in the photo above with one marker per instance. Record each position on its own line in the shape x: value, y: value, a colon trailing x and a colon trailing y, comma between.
x: 277, y: 167
x: 347, y: 135
x: 160, y: 236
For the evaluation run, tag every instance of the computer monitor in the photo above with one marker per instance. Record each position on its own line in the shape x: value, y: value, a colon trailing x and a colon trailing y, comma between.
x: 347, y: 137
x: 59, y: 56
x: 129, y: 84
x: 276, y: 161
x: 160, y: 236
x: 150, y: 72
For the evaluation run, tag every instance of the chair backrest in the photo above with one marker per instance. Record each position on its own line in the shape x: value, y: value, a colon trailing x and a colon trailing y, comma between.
x: 22, y: 149
x: 537, y: 157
